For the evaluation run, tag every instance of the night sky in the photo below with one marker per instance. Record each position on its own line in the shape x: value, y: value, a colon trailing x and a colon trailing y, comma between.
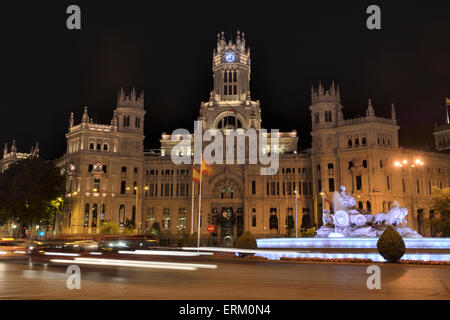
x: 165, y: 48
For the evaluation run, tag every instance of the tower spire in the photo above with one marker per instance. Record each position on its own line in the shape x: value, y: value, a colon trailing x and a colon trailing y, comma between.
x: 370, y: 111
x: 393, y: 114
x: 5, y: 149
x: 71, y: 121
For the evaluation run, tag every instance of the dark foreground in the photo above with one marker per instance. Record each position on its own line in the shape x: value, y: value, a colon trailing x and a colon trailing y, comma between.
x: 19, y: 279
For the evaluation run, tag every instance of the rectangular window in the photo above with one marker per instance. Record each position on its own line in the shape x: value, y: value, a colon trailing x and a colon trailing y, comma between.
x: 331, y: 184
x: 182, y: 190
x: 234, y: 89
x: 166, y: 219
x: 288, y: 188
x: 225, y: 90
x: 388, y: 183
x: 254, y: 220
x: 272, y: 188
x: 122, y: 187
x: 152, y: 190
x: 253, y: 187
x: 96, y: 186
x: 267, y: 188
x: 418, y: 187
x: 166, y: 189
x: 182, y: 220
x: 305, y: 188
x: 403, y: 185
x: 358, y: 182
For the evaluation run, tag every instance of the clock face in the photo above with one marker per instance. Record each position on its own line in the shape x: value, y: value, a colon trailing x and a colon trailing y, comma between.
x: 229, y: 56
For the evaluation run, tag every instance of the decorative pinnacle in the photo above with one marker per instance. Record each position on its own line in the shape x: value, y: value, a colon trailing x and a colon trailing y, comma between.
x: 370, y: 111
x: 393, y: 114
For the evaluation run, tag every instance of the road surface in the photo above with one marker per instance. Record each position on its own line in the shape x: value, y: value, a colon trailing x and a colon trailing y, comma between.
x: 231, y: 280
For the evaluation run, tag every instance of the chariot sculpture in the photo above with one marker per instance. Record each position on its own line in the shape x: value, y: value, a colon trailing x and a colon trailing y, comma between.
x: 349, y: 222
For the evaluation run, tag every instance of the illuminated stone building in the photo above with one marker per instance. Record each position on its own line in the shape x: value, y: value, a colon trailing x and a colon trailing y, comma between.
x: 110, y: 177
x: 11, y: 156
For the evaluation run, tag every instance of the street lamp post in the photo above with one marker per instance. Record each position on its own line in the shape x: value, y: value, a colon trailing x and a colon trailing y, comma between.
x: 322, y: 195
x: 296, y: 223
x: 137, y: 192
x: 142, y: 216
x: 414, y: 164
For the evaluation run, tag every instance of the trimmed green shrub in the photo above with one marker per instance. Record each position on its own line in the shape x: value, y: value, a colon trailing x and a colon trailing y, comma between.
x: 128, y: 231
x: 309, y: 233
x: 247, y: 241
x: 391, y: 245
x: 109, y: 228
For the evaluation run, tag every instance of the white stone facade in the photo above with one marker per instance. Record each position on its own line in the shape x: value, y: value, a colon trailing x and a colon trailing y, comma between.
x: 105, y: 163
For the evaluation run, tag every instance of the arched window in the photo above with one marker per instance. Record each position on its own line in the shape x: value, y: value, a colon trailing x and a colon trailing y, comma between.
x: 225, y: 78
x: 273, y: 222
x: 369, y: 206
x: 316, y: 117
x: 363, y: 141
x: 102, y: 215
x: 105, y: 147
x: 365, y: 163
x: 350, y: 143
x: 86, y: 215
x: 356, y: 142
x: 331, y: 184
x: 234, y: 76
x: 121, y: 215
x: 133, y: 216
x: 94, y: 216
x: 122, y: 187
x: 360, y: 205
x: 91, y: 146
x: 99, y: 147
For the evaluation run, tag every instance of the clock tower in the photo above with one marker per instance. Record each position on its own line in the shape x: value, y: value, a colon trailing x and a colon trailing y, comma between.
x: 229, y: 105
x: 231, y: 69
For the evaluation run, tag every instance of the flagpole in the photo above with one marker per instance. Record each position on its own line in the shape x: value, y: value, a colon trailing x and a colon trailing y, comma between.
x: 296, y: 224
x: 200, y: 201
x: 446, y: 109
x: 192, y: 211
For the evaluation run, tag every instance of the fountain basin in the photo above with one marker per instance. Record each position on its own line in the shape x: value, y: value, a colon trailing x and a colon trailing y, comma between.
x: 350, y: 243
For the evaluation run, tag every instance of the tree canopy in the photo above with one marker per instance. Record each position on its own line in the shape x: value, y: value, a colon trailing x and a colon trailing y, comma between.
x: 440, y: 202
x: 31, y: 192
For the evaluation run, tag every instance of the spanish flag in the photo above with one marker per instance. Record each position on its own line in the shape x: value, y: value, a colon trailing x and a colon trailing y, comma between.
x: 196, y: 175
x: 206, y: 168
x: 297, y: 196
x: 447, y: 101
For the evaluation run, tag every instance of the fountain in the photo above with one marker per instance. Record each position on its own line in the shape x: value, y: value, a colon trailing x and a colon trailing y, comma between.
x: 346, y: 222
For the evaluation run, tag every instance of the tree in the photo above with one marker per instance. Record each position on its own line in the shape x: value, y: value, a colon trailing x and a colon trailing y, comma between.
x: 156, y: 229
x: 440, y: 203
x: 31, y: 192
x: 247, y: 241
x: 109, y: 228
